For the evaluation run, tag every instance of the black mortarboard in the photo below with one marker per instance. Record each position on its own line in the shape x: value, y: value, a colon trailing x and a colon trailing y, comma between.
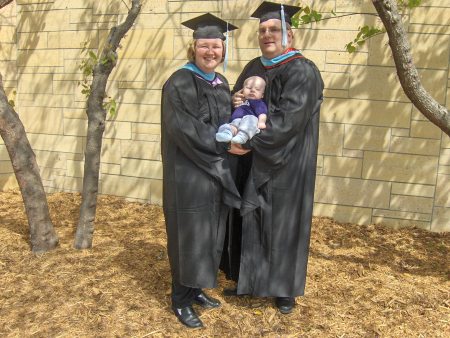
x: 208, y: 26
x: 272, y: 10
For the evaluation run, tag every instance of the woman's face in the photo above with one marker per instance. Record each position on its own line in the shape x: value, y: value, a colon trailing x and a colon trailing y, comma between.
x: 208, y: 54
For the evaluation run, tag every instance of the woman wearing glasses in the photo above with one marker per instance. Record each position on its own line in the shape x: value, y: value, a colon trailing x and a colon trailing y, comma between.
x: 198, y: 188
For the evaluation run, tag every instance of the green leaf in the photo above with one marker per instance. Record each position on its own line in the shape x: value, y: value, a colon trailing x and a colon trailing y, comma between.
x: 365, y: 30
x: 374, y: 31
x: 84, y: 46
x: 112, y: 108
x: 350, y: 48
x: 93, y: 56
x: 409, y: 3
x: 306, y: 19
x: 316, y: 16
x: 365, y: 33
x: 414, y: 3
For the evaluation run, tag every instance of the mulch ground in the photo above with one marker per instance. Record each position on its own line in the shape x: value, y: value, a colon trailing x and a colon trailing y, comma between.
x: 363, y: 281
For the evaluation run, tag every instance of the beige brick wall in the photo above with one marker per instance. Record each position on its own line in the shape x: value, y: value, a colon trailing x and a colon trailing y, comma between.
x: 380, y: 160
x: 8, y: 70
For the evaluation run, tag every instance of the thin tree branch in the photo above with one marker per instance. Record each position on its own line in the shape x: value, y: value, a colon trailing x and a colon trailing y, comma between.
x: 96, y: 125
x: 338, y: 16
x: 406, y: 70
x: 126, y: 5
x: 3, y: 3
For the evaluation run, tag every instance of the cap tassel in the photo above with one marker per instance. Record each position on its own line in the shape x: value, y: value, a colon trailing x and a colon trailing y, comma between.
x: 283, y: 28
x: 225, y: 59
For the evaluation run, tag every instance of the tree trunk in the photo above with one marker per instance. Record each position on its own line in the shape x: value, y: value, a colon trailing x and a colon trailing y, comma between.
x: 406, y: 71
x: 96, y: 125
x: 3, y: 3
x: 42, y: 234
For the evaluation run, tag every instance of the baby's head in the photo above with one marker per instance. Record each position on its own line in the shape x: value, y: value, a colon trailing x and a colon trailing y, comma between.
x: 254, y: 88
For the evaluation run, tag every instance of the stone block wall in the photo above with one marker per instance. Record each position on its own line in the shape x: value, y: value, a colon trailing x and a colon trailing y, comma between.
x: 8, y: 70
x: 380, y: 160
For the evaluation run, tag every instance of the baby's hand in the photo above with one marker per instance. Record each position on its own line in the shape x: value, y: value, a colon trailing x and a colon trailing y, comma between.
x: 261, y: 125
x: 238, y: 98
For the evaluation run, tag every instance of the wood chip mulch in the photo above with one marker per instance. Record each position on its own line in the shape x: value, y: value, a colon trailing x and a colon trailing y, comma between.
x: 363, y: 281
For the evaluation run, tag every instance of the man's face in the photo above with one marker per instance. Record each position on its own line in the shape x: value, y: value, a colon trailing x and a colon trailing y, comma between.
x: 270, y: 38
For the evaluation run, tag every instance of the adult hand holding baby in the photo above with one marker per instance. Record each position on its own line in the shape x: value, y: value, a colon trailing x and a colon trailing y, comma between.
x: 238, y: 98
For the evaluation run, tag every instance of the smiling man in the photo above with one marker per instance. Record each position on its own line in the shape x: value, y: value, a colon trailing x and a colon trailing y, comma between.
x: 277, y: 176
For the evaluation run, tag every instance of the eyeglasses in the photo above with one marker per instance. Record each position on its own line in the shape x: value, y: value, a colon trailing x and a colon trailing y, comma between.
x: 269, y: 30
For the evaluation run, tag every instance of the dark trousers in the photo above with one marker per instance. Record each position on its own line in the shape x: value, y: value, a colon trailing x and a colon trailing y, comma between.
x: 183, y: 296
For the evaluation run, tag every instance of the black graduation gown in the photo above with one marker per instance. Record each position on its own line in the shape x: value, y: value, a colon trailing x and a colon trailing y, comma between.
x: 198, y: 187
x: 279, y: 192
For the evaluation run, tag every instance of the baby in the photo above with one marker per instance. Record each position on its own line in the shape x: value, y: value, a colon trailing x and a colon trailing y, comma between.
x: 248, y: 118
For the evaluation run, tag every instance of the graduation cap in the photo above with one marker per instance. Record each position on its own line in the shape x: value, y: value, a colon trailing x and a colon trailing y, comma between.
x: 208, y: 26
x: 272, y: 10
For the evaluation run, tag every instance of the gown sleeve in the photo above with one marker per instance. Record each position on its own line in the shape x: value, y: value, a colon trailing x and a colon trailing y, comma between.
x: 189, y: 126
x: 300, y: 98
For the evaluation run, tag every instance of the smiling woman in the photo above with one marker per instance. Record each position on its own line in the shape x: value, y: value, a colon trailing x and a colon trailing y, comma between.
x: 208, y: 54
x: 198, y: 188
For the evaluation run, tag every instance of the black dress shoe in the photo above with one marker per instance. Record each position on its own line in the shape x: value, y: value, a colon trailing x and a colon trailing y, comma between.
x: 188, y: 317
x: 285, y: 304
x: 205, y: 301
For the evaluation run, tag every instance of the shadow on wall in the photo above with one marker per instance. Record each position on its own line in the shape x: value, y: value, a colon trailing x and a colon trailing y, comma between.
x: 8, y: 43
x: 371, y: 136
x: 50, y: 39
x: 8, y: 72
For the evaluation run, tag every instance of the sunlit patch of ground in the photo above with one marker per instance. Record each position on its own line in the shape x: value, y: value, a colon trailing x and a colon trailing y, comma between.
x: 362, y: 281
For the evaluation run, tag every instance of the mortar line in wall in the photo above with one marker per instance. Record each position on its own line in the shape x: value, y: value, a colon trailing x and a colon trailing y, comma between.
x: 377, y: 208
x: 382, y: 181
x: 393, y: 66
x: 17, y: 52
x: 383, y: 151
x: 373, y: 100
x: 440, y: 146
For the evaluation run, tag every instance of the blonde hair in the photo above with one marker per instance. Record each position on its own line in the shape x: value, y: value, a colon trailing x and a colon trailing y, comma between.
x: 191, y: 50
